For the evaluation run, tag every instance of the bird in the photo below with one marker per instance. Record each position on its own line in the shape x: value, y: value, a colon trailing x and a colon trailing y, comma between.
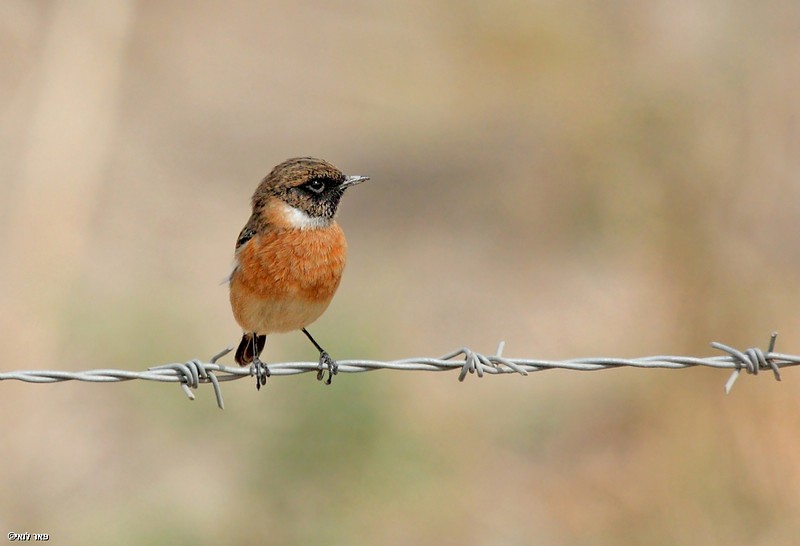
x: 289, y: 258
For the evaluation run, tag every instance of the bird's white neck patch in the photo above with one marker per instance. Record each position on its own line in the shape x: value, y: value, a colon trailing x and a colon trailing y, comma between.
x: 298, y: 219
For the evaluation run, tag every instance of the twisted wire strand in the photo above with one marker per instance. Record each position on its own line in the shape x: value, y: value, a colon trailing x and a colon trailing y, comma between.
x: 195, y: 372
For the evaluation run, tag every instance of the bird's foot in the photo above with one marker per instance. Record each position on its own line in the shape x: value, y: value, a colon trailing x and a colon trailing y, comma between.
x: 326, y: 362
x: 261, y: 371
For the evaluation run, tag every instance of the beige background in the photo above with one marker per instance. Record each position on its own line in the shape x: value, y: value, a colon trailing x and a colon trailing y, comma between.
x: 577, y: 179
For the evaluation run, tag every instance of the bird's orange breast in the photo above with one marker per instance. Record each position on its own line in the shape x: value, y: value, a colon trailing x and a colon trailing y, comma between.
x: 285, y: 278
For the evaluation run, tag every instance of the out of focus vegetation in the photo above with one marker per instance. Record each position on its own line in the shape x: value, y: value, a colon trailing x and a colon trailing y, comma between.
x: 577, y: 179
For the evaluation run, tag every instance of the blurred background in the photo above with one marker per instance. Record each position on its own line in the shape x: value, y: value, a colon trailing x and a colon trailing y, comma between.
x: 576, y: 178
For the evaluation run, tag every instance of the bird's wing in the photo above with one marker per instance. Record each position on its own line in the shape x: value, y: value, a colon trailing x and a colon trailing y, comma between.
x: 248, y: 231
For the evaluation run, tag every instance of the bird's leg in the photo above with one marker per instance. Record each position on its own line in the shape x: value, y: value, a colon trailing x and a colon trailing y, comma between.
x: 260, y: 370
x: 325, y: 361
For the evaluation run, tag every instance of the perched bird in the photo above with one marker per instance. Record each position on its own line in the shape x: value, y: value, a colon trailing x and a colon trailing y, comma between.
x: 289, y: 257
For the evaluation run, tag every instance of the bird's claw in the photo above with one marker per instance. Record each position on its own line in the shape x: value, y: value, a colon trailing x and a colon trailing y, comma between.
x: 261, y: 371
x: 326, y: 362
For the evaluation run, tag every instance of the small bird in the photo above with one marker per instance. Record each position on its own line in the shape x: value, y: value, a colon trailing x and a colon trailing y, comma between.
x: 289, y: 258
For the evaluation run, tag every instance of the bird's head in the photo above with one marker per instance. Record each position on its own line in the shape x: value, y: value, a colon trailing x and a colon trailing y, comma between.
x: 302, y: 192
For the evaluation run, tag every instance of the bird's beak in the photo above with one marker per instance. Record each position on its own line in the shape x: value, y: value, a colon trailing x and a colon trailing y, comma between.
x: 352, y: 181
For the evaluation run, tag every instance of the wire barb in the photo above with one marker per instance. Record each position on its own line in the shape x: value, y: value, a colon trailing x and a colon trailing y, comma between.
x: 751, y: 359
x: 193, y: 372
x: 189, y: 375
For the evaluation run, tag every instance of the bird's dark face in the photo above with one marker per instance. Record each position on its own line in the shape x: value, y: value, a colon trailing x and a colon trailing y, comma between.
x: 311, y: 189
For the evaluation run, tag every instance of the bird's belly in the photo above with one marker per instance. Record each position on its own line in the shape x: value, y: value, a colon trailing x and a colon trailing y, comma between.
x: 284, y: 281
x: 275, y: 315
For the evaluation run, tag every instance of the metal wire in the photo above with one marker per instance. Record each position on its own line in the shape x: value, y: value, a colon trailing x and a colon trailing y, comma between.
x: 194, y: 372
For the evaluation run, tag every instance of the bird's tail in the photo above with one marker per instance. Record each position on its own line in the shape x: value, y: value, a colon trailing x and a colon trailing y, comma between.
x: 249, y: 348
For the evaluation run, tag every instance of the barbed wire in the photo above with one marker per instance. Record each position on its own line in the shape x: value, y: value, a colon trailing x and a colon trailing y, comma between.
x: 195, y: 372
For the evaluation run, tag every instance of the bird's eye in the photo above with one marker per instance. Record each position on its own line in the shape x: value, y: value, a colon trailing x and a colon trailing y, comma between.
x: 316, y: 186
